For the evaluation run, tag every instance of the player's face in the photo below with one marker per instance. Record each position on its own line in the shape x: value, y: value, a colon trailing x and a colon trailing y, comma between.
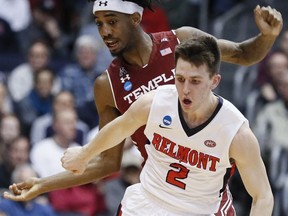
x: 115, y: 29
x: 194, y: 85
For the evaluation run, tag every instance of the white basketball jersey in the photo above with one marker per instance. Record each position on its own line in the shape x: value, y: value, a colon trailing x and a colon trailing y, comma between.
x: 186, y: 168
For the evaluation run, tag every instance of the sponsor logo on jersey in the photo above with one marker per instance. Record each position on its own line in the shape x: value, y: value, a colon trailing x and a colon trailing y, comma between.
x: 125, y: 78
x: 197, y: 159
x: 166, y: 51
x: 161, y: 126
x: 164, y: 40
x: 122, y: 72
x: 210, y: 143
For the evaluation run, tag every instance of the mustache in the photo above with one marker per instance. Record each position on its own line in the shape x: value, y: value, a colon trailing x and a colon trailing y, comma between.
x: 108, y: 38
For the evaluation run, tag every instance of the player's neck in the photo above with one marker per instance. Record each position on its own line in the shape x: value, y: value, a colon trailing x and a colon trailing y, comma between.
x: 140, y: 50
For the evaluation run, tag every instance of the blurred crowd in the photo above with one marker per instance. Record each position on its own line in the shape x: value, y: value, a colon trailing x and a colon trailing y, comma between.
x: 50, y: 55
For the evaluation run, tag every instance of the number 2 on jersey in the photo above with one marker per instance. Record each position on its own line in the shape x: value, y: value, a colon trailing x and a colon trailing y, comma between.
x: 173, y: 176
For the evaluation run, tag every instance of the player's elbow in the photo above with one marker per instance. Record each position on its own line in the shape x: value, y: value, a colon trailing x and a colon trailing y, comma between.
x: 265, y: 201
x: 112, y: 164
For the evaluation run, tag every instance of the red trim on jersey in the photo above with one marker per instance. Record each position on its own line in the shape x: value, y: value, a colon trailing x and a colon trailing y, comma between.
x: 226, y: 207
x: 119, y: 212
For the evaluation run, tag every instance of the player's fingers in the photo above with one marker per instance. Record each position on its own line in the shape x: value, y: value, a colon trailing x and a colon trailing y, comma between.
x: 64, y: 161
x: 277, y: 18
x: 14, y: 189
x: 10, y: 196
x: 257, y: 11
x: 271, y: 15
x: 267, y: 14
x: 22, y: 185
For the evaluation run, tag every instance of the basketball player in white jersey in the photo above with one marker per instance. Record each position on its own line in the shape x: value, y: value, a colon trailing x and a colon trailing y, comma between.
x: 195, y: 138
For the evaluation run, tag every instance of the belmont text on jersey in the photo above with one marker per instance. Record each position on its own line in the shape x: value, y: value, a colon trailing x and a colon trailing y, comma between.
x: 185, y: 154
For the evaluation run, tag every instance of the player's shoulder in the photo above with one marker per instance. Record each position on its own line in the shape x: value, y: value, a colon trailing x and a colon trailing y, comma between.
x: 102, y: 80
x: 102, y: 91
x: 159, y: 36
x: 168, y: 88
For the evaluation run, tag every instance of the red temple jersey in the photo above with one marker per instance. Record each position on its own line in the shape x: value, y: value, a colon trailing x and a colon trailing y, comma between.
x: 129, y: 82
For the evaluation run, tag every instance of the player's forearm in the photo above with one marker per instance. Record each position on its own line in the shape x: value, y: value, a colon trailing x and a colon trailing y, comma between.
x: 263, y: 207
x: 108, y: 137
x: 256, y: 48
x: 248, y: 52
x: 94, y: 172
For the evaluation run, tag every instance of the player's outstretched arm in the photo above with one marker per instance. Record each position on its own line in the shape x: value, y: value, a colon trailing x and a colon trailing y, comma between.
x: 269, y: 22
x: 108, y: 162
x: 246, y: 153
x: 76, y: 159
x: 33, y: 187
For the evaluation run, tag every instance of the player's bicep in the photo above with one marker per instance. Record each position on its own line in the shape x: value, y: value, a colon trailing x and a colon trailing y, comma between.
x: 230, y: 51
x: 107, y: 112
x: 246, y: 153
x: 104, y: 100
x: 185, y: 33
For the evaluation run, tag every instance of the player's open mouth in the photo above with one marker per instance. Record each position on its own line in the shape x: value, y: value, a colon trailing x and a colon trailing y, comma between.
x: 111, y: 44
x: 187, y: 101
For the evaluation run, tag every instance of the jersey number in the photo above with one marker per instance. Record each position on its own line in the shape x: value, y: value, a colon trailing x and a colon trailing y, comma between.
x: 173, y: 176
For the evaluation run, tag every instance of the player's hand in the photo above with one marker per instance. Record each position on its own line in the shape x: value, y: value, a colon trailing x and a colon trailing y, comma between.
x: 268, y: 20
x: 73, y: 160
x: 24, y: 191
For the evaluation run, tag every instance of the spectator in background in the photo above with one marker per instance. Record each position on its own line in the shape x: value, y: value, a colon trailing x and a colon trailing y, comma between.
x: 82, y: 200
x: 45, y: 25
x: 114, y: 188
x: 6, y: 106
x: 271, y: 130
x: 20, y: 80
x: 20, y: 17
x: 15, y: 153
x: 38, y: 102
x: 64, y: 126
x: 9, y: 130
x: 272, y: 121
x: 79, y: 78
x: 276, y: 64
x: 42, y: 126
x: 104, y: 56
x: 284, y: 42
x: 30, y: 208
x: 263, y: 80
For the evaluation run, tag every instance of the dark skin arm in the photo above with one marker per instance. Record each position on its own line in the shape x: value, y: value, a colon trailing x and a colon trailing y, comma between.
x: 108, y: 162
x: 251, y: 51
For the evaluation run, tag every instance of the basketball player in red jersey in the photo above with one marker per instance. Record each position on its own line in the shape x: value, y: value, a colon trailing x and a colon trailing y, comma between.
x: 144, y: 61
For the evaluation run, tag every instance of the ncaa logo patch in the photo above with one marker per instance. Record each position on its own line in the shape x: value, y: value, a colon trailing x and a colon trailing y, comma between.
x: 167, y: 120
x: 127, y: 86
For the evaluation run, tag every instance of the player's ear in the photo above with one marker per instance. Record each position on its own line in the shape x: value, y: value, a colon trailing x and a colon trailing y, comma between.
x: 136, y: 19
x: 215, y: 81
